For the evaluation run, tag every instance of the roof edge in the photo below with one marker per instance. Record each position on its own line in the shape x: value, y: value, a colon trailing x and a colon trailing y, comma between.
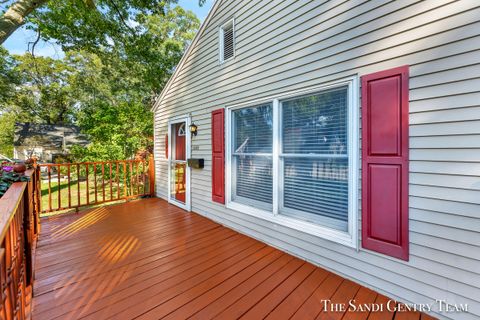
x: 159, y: 98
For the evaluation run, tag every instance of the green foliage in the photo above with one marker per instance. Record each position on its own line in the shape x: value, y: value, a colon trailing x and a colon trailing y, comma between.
x: 149, y: 35
x: 9, y: 80
x: 45, y: 94
x: 114, y: 108
x: 117, y: 132
x: 8, y: 76
x: 119, y: 55
x: 7, y: 178
x: 7, y: 130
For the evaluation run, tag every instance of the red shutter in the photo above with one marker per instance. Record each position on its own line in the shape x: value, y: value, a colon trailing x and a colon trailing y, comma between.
x: 385, y: 162
x: 166, y: 146
x: 218, y: 156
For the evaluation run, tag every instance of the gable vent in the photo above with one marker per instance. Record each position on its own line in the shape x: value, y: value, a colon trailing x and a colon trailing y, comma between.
x: 227, y: 41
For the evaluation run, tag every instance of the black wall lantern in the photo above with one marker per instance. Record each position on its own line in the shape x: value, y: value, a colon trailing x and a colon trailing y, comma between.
x: 193, y: 129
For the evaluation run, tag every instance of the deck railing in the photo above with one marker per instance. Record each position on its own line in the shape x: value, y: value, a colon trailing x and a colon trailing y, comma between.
x: 19, y: 227
x: 73, y: 185
x: 21, y: 206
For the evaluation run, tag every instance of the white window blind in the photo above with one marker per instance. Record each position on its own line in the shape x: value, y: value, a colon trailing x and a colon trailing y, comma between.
x: 314, y: 158
x: 227, y: 41
x: 252, y: 156
x: 292, y: 160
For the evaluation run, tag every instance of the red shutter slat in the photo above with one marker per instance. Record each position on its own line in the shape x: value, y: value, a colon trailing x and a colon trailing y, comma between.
x: 385, y: 162
x: 218, y: 156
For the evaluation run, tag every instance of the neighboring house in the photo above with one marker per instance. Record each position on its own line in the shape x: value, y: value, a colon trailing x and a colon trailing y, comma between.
x: 344, y: 132
x: 46, y: 142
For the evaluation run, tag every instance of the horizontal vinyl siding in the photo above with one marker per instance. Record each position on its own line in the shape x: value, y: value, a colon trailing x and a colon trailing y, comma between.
x: 321, y: 54
x: 287, y: 45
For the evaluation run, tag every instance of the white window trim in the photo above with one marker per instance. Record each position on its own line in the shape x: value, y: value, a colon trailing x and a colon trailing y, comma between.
x: 220, y: 40
x: 349, y: 238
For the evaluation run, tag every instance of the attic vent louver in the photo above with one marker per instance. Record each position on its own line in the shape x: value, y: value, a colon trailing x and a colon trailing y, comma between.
x: 227, y: 41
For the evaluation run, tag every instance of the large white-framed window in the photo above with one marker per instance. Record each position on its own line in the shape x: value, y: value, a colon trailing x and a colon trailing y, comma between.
x: 226, y: 39
x: 293, y: 159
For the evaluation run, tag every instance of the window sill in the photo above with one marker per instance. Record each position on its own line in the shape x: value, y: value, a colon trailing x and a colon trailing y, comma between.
x: 222, y: 62
x: 316, y: 230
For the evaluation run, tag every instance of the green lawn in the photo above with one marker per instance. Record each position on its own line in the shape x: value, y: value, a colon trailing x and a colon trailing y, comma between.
x: 50, y: 199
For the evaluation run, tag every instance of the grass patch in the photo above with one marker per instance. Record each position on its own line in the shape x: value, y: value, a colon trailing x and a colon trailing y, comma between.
x: 74, y: 194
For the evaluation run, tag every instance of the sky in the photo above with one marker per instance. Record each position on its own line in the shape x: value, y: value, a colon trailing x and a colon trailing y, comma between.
x: 17, y: 43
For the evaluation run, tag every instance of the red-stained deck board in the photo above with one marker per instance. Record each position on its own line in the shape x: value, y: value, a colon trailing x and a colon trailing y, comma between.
x: 137, y: 298
x: 147, y: 259
x: 361, y: 302
x: 298, y: 296
x: 268, y: 303
x: 386, y: 312
x: 314, y: 304
x: 167, y: 310
x: 143, y: 276
x: 217, y: 306
x: 189, y: 307
x: 240, y: 307
x: 162, y: 295
x: 345, y: 293
x: 77, y: 267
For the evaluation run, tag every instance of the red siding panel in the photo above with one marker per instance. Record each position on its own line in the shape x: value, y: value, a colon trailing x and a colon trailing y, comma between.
x: 385, y: 162
x: 218, y: 156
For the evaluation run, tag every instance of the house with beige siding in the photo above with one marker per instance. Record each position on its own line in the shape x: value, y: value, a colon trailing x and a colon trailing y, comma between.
x: 346, y: 133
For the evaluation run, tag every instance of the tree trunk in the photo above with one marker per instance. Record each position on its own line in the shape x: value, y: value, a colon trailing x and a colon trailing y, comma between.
x: 15, y: 16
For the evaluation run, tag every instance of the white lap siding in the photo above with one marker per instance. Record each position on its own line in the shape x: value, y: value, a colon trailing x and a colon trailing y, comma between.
x: 287, y: 45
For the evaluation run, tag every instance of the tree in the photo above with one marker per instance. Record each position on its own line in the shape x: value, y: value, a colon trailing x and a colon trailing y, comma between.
x: 33, y: 90
x: 8, y: 81
x: 8, y: 76
x: 44, y: 94
x: 15, y: 16
x: 7, y: 129
x: 112, y: 108
x: 118, y: 56
x: 69, y: 21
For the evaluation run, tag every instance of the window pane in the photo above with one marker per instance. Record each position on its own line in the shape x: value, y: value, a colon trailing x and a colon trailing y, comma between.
x: 316, y: 124
x: 178, y: 183
x: 315, y: 158
x: 253, y: 129
x: 318, y: 187
x: 253, y: 175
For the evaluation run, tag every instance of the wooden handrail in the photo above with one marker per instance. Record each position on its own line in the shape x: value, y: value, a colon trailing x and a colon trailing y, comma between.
x: 9, y: 204
x: 86, y: 185
x: 17, y: 237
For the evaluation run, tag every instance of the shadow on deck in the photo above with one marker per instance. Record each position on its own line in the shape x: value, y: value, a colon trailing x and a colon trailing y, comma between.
x: 147, y: 259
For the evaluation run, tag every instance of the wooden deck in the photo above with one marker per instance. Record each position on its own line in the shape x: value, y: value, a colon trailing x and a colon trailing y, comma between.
x: 150, y: 260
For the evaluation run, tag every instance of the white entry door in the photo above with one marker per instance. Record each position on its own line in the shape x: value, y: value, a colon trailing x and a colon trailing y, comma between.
x: 179, y: 140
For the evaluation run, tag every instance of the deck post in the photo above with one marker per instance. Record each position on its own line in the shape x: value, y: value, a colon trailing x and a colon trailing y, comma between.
x: 151, y: 175
x: 37, y: 196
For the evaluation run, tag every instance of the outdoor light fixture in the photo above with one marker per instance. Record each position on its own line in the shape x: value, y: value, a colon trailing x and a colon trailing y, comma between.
x: 193, y: 129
